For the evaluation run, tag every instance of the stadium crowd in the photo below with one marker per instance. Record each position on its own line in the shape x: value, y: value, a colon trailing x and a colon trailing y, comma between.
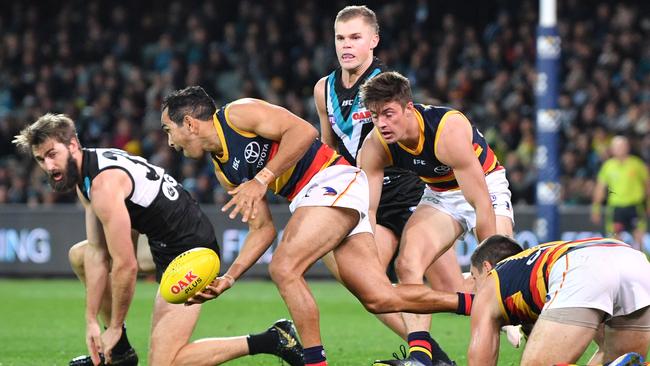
x: 108, y: 65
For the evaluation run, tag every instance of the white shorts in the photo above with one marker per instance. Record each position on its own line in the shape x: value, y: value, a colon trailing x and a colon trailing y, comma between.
x: 454, y: 204
x: 612, y: 279
x: 338, y: 186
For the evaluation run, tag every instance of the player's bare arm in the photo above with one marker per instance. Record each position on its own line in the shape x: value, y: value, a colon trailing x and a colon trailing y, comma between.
x: 485, y: 324
x: 96, y: 264
x: 276, y: 123
x: 108, y: 191
x: 454, y: 148
x: 372, y: 158
x: 326, y: 132
x: 261, y: 233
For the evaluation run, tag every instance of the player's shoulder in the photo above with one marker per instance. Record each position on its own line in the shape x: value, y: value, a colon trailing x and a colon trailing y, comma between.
x: 243, y: 107
x: 319, y: 87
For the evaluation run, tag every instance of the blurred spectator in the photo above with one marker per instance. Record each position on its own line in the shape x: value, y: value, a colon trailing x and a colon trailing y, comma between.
x: 627, y: 182
x: 108, y: 64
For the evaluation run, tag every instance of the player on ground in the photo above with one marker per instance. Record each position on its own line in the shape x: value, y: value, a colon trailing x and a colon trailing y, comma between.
x: 465, y: 185
x: 257, y: 146
x: 566, y: 289
x: 345, y: 123
x: 120, y: 192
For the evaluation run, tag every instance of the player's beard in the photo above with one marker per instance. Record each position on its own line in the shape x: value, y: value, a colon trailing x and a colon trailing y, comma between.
x: 70, y: 177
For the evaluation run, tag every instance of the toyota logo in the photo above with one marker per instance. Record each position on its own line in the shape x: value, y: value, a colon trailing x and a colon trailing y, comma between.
x: 252, y: 152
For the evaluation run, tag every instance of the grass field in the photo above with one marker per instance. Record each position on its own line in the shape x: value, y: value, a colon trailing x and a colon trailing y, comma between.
x: 42, y: 323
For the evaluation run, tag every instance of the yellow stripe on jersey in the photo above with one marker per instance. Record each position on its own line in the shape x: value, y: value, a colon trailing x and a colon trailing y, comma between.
x: 384, y: 145
x: 437, y: 180
x: 497, y: 289
x: 418, y: 149
x: 224, y: 147
x: 219, y: 172
x: 282, y: 180
x: 479, y: 150
x: 522, y: 306
x: 441, y: 125
x: 239, y: 131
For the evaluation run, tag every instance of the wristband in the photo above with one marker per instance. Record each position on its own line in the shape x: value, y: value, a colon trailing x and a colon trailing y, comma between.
x: 595, y: 208
x: 230, y: 279
x: 265, y: 176
x: 464, y: 303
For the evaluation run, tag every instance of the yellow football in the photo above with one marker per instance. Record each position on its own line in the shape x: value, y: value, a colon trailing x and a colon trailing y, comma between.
x: 188, y: 274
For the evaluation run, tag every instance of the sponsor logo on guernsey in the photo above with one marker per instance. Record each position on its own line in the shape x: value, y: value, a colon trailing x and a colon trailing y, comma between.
x: 442, y: 169
x: 362, y: 115
x: 252, y: 152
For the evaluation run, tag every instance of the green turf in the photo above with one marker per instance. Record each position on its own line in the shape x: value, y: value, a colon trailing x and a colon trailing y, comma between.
x: 42, y: 323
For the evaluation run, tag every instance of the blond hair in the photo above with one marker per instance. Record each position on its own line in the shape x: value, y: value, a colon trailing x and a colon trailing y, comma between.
x: 358, y: 11
x: 57, y: 126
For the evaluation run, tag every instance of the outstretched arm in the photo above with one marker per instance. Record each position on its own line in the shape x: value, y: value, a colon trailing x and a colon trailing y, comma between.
x: 260, y: 237
x: 454, y: 148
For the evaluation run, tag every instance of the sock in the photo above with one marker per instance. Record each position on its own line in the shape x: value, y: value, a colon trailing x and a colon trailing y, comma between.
x: 437, y: 353
x: 420, y: 347
x: 264, y: 342
x: 315, y: 356
x: 122, y: 344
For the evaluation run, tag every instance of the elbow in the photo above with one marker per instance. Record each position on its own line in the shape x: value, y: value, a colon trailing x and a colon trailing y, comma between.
x: 311, y: 132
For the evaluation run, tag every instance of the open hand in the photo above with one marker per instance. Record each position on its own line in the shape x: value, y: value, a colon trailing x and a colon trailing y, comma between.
x: 245, y: 200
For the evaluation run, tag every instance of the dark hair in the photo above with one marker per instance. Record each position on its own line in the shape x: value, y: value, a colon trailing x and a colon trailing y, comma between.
x: 360, y: 11
x: 193, y: 101
x: 57, y: 126
x: 495, y: 249
x: 384, y: 88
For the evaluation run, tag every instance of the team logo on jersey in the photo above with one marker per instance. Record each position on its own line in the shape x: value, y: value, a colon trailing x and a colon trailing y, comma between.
x: 442, y: 169
x: 329, y: 191
x: 252, y: 152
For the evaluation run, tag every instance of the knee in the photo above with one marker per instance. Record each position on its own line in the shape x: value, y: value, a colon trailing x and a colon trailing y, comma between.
x: 282, y: 271
x: 379, y: 304
x: 76, y: 256
x: 407, y: 270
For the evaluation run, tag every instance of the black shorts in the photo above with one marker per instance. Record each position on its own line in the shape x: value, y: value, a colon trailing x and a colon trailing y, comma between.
x: 164, y: 253
x: 626, y: 218
x: 400, y: 195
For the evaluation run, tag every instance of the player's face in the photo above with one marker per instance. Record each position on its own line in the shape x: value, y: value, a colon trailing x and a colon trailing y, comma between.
x: 391, y: 120
x: 354, y: 39
x: 180, y: 138
x: 56, y: 160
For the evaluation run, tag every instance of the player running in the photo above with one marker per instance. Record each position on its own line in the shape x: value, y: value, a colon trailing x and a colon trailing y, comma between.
x: 257, y: 146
